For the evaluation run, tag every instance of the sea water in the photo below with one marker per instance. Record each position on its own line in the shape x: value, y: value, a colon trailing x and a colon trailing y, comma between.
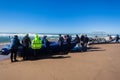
x: 6, y: 37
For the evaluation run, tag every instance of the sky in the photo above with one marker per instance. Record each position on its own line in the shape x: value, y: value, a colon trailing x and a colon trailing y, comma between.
x: 60, y: 16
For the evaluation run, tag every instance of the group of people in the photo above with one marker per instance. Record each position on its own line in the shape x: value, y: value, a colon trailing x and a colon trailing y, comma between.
x: 116, y: 38
x: 81, y: 41
x: 36, y: 44
x: 67, y: 39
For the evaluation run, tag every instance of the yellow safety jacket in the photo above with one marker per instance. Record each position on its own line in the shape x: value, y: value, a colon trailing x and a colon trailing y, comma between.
x: 36, y: 42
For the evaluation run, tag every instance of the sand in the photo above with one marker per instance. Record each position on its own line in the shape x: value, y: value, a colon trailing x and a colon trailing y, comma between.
x: 100, y: 63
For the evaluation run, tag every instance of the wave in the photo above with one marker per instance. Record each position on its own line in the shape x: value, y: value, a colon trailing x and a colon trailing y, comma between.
x: 23, y: 34
x: 5, y: 37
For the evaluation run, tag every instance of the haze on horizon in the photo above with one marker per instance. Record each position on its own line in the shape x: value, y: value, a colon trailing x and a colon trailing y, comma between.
x: 60, y: 16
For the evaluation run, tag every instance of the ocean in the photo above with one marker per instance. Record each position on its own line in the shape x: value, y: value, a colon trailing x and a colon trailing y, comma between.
x: 6, y: 37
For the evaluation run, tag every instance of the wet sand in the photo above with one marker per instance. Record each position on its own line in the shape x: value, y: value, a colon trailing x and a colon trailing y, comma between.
x: 102, y: 62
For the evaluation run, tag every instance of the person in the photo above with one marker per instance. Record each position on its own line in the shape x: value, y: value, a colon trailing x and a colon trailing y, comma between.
x: 60, y: 42
x: 26, y: 42
x: 15, y: 43
x: 77, y: 40
x: 65, y: 38
x: 36, y: 44
x: 117, y: 38
x: 86, y: 42
x: 82, y: 39
x: 46, y: 42
x: 110, y: 38
x: 70, y: 37
x: 68, y: 40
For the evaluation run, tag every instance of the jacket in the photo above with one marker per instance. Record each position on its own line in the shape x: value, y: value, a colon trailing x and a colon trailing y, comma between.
x: 36, y: 42
x: 15, y: 43
x: 26, y: 42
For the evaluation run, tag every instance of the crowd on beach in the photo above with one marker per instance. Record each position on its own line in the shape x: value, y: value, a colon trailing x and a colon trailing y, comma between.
x: 112, y: 39
x: 107, y: 39
x: 37, y: 43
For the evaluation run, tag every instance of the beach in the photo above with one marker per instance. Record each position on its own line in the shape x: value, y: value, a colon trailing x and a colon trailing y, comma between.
x: 102, y: 62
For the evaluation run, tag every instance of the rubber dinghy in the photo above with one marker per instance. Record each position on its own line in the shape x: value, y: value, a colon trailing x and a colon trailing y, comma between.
x: 54, y: 49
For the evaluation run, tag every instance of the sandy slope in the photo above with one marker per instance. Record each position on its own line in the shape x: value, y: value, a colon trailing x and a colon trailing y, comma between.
x: 100, y: 63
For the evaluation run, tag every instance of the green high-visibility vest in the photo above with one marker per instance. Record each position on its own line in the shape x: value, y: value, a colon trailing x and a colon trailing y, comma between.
x: 36, y: 42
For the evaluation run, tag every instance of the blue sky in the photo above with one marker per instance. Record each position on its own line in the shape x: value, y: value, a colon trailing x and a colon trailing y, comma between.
x: 60, y: 16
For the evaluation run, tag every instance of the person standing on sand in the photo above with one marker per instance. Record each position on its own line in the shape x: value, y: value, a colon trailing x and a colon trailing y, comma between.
x: 86, y: 42
x: 77, y: 40
x: 26, y: 42
x: 15, y: 43
x: 60, y: 42
x: 68, y: 40
x: 36, y: 44
x: 46, y: 42
x: 82, y: 41
x: 117, y: 38
x: 110, y: 38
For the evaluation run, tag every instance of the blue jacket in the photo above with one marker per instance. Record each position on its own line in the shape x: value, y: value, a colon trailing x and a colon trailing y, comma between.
x: 15, y: 43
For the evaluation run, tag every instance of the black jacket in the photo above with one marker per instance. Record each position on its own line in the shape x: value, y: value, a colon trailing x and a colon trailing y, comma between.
x: 60, y: 41
x: 77, y: 39
x: 26, y: 42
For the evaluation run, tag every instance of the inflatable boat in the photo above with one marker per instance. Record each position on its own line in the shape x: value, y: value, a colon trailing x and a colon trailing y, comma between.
x: 54, y: 49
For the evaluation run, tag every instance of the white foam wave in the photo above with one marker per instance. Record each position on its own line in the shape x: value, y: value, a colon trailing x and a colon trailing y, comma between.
x: 21, y: 35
